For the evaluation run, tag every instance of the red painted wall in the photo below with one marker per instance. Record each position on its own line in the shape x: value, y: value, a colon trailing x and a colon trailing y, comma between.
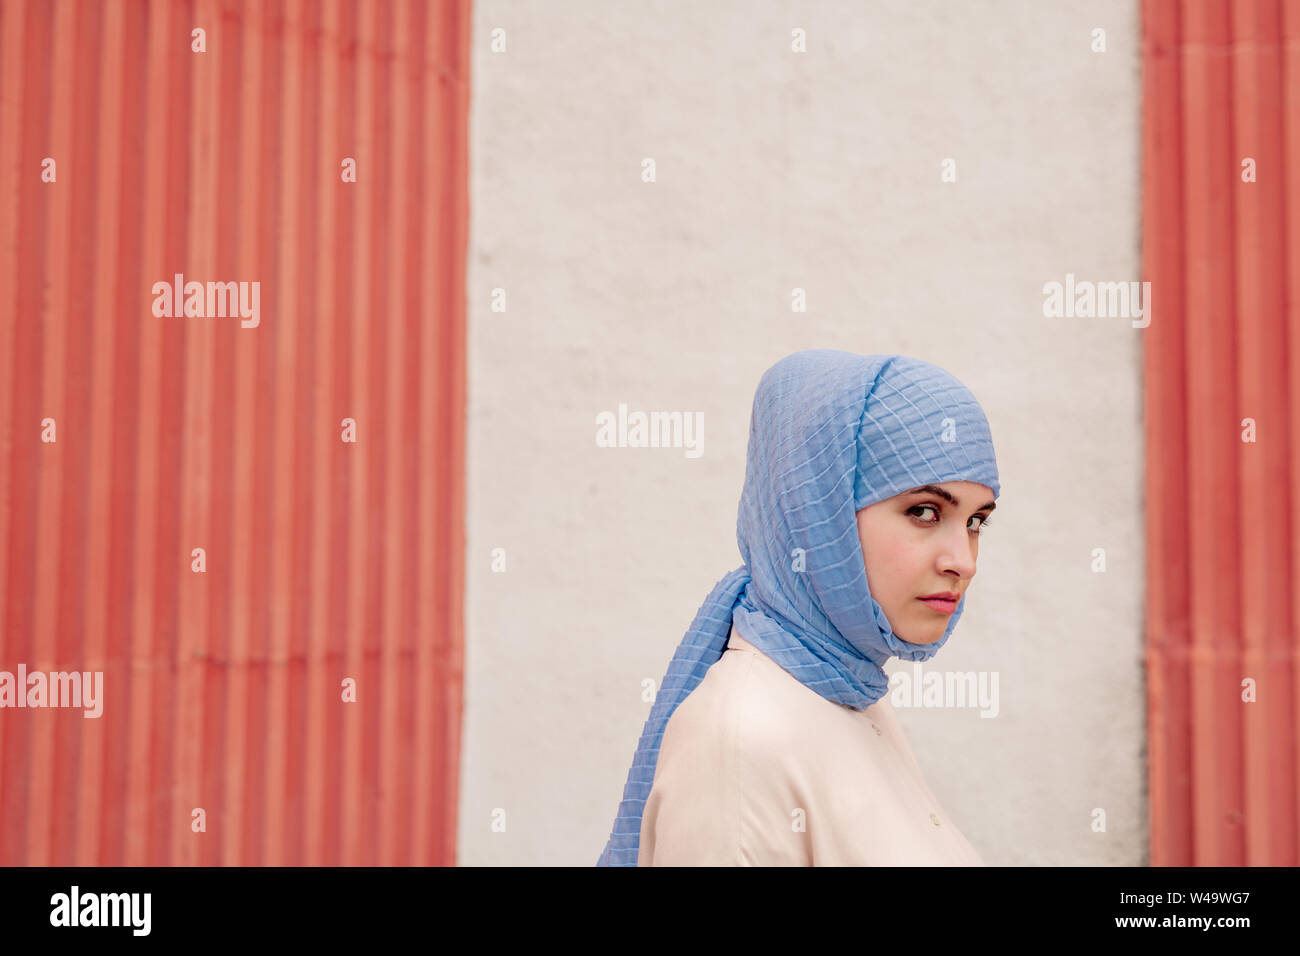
x: 325, y: 560
x: 1222, y: 86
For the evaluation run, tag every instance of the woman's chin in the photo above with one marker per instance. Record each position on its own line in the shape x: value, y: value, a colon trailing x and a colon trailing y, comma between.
x: 922, y: 635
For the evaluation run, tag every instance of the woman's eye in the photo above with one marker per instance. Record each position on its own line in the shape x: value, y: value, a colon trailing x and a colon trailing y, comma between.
x: 916, y: 508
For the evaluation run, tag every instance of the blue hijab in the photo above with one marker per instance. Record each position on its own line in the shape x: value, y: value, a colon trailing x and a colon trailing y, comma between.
x: 831, y: 432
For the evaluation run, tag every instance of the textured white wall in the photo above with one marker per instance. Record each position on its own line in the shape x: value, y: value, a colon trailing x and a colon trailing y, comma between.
x: 779, y: 170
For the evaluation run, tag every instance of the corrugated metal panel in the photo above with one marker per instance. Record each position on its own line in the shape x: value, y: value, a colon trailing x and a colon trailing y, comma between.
x: 1222, y: 86
x: 324, y: 559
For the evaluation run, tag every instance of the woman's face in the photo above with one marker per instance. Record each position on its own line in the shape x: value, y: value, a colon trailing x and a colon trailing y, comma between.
x: 921, y: 543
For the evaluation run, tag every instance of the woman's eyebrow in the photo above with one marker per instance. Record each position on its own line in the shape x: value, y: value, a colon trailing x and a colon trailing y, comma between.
x: 946, y: 496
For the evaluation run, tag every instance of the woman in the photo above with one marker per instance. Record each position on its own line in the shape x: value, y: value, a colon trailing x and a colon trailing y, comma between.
x: 770, y: 741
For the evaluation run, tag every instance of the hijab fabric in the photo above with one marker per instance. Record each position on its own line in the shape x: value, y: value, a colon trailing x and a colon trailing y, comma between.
x: 831, y: 432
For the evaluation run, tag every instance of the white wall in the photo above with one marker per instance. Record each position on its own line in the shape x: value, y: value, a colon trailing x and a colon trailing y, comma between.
x: 816, y: 170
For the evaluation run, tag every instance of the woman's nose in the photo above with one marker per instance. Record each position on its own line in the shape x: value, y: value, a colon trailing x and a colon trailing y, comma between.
x: 959, y: 555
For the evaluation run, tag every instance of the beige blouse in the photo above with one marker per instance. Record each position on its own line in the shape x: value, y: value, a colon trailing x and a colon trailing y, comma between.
x: 755, y: 769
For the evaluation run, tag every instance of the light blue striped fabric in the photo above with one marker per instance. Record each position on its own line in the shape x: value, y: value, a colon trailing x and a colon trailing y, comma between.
x: 830, y: 433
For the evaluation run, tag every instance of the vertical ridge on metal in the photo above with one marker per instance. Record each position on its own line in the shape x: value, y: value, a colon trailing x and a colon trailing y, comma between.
x: 1221, y: 248
x: 183, y: 508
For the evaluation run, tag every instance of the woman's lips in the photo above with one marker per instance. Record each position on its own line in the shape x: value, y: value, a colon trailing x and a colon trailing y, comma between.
x: 939, y: 604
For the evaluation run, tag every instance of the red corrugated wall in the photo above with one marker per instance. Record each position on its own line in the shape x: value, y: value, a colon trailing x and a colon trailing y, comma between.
x: 1221, y: 87
x: 324, y: 559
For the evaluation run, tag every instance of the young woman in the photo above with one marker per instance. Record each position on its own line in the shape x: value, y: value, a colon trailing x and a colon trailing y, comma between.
x: 771, y: 742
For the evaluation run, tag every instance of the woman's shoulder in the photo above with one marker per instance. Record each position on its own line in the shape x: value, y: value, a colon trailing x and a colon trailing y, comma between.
x: 746, y: 700
x: 789, y: 702
x: 777, y: 721
x: 748, y: 747
x: 745, y: 688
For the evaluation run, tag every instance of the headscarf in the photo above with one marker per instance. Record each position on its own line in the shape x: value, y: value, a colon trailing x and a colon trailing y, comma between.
x: 831, y: 432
